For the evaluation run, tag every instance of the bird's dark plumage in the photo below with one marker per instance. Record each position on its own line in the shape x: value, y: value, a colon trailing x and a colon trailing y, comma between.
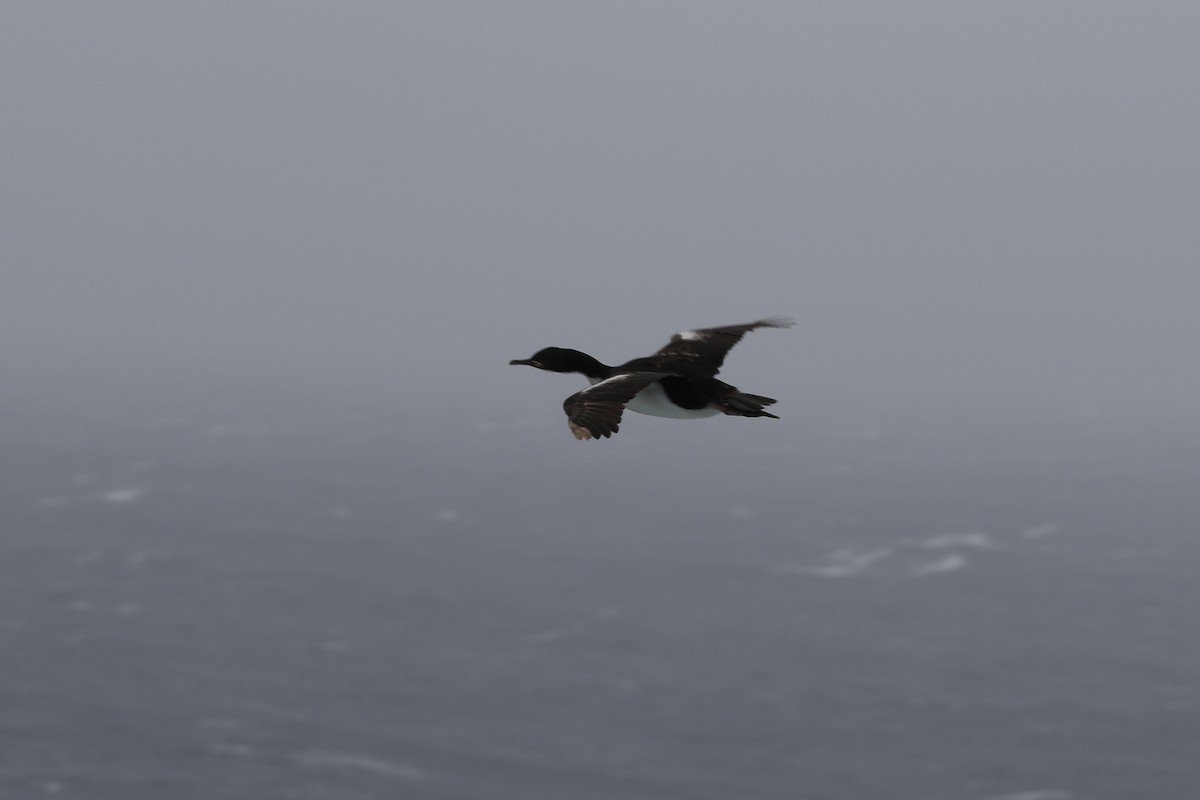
x: 596, y: 411
x: 676, y: 381
x: 705, y: 348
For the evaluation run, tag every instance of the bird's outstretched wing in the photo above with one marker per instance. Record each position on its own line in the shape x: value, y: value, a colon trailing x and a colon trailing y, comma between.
x: 596, y: 411
x: 705, y: 348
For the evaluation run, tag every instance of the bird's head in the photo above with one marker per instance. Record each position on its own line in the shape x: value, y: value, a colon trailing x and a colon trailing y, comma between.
x: 556, y: 359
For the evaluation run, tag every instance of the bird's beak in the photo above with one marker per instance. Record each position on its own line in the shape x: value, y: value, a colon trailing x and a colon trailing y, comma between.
x: 528, y: 361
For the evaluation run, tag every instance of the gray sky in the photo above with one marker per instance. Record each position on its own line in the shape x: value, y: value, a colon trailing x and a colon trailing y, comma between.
x: 969, y: 208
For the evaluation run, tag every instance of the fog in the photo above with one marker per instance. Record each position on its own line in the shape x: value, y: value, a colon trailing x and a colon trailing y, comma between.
x: 281, y: 521
x: 975, y: 211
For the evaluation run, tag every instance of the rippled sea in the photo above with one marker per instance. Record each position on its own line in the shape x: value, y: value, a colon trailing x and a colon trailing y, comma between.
x: 206, y: 604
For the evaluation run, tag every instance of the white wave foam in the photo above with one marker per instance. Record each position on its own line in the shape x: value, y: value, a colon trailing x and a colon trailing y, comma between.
x: 1040, y: 531
x: 950, y: 563
x: 842, y: 564
x: 322, y: 759
x: 912, y: 556
x: 127, y: 495
x: 970, y: 539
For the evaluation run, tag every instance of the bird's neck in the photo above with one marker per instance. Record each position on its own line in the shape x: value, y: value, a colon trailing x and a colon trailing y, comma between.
x: 590, y: 368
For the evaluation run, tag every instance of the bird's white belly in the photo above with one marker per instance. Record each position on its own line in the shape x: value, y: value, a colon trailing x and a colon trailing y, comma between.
x: 653, y: 401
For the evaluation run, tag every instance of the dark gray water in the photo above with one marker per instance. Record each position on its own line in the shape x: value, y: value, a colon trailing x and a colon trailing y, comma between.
x: 196, y: 603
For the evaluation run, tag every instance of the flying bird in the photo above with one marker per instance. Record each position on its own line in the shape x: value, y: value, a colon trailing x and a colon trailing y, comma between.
x: 678, y: 381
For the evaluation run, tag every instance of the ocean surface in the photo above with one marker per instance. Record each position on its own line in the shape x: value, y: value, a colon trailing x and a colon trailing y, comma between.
x: 208, y: 602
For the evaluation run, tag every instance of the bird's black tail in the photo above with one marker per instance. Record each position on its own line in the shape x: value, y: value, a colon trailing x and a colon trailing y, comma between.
x: 741, y: 404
